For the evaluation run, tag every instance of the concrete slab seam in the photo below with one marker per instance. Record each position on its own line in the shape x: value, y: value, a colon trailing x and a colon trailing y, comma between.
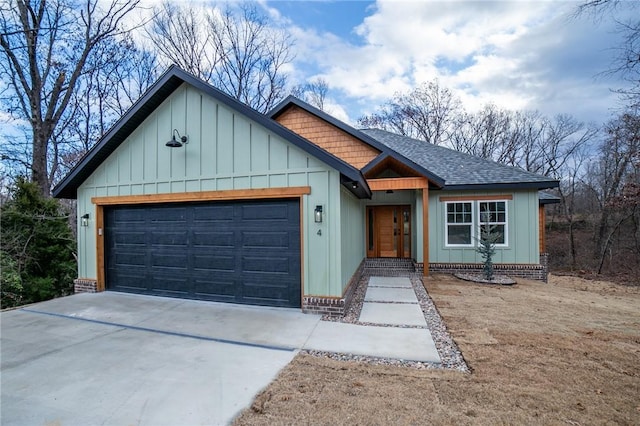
x: 165, y: 332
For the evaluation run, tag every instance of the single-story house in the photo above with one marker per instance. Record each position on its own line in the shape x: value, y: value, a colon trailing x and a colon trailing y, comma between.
x: 192, y: 194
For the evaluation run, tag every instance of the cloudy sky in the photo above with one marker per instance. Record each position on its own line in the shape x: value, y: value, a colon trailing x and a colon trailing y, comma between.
x: 515, y: 54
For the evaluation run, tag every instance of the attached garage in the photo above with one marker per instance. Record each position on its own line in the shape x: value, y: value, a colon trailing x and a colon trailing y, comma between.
x: 192, y: 194
x: 244, y: 252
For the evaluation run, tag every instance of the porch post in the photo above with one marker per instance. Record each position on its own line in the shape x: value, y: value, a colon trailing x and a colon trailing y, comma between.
x: 425, y: 229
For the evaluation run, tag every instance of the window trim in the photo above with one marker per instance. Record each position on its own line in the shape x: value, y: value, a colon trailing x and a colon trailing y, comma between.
x: 471, y: 224
x: 475, y: 218
x: 505, y: 223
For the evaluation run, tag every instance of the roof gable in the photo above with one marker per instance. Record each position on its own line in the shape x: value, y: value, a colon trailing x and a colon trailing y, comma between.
x: 173, y: 78
x: 384, y: 150
x: 444, y: 167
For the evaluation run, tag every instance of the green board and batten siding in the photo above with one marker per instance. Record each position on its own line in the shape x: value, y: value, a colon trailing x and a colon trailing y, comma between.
x: 522, y: 235
x: 225, y: 151
x: 352, y: 231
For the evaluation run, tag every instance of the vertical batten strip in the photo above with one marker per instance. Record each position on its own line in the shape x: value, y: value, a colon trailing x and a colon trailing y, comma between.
x: 425, y: 229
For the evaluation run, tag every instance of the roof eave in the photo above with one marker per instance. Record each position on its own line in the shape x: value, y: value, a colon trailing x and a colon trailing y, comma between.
x: 504, y: 185
x: 545, y: 202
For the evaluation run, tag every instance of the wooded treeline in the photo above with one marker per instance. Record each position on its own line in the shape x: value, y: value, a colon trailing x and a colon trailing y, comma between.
x: 598, y: 167
x: 70, y: 68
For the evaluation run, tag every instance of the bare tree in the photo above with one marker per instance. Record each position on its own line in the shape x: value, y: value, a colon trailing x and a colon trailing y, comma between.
x: 524, y: 139
x: 570, y: 190
x: 485, y: 134
x: 426, y: 113
x: 314, y: 92
x: 626, y: 62
x: 252, y: 56
x: 617, y: 175
x: 564, y: 136
x: 180, y: 35
x: 234, y: 49
x: 45, y: 46
x: 118, y: 73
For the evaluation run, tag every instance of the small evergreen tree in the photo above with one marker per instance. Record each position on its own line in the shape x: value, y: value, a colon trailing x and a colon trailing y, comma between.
x: 487, y: 248
x: 37, y: 247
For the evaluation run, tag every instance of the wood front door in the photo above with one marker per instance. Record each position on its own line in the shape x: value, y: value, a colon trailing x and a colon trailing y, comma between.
x: 389, y: 231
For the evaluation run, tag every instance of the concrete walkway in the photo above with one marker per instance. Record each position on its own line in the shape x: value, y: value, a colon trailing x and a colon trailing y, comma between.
x: 392, y: 303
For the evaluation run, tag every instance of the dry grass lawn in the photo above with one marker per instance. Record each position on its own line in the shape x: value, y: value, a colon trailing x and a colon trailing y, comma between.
x: 563, y: 353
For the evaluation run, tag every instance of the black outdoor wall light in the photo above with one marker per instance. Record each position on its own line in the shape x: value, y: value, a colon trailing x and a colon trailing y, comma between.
x: 175, y: 143
x: 85, y: 219
x: 317, y: 214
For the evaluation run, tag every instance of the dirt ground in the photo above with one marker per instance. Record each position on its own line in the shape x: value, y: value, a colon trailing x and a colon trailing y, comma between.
x: 567, y: 352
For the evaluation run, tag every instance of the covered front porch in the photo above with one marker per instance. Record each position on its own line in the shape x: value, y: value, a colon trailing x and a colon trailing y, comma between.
x: 395, y: 219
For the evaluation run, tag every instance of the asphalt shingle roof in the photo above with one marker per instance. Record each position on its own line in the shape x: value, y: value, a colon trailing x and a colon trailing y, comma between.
x: 457, y: 169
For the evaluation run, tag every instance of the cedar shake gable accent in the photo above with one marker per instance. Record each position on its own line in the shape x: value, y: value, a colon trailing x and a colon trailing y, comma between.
x: 384, y: 153
x: 328, y: 137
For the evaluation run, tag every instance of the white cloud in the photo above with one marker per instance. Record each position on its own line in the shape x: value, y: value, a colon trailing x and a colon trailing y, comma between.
x: 515, y: 54
x: 518, y: 55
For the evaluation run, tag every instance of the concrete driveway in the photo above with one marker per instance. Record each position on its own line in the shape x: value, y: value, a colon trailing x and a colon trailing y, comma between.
x: 120, y: 359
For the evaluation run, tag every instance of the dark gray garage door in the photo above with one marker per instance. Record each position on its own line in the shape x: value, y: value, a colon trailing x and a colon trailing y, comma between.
x: 241, y: 252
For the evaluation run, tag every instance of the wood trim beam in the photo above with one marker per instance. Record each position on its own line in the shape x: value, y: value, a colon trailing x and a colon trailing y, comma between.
x: 234, y: 194
x: 397, y: 183
x: 425, y: 230
x: 478, y: 197
x: 301, y: 209
x: 100, y: 259
x: 182, y: 197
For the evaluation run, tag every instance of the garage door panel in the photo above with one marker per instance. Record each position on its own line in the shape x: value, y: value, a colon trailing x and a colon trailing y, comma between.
x: 130, y: 238
x: 261, y: 294
x: 172, y: 214
x: 264, y: 211
x: 219, y: 290
x: 267, y: 265
x: 169, y: 237
x: 128, y: 217
x: 166, y: 282
x: 131, y: 283
x: 213, y: 239
x: 130, y: 259
x: 169, y: 261
x: 214, y: 263
x: 213, y: 213
x: 265, y: 239
x: 240, y: 251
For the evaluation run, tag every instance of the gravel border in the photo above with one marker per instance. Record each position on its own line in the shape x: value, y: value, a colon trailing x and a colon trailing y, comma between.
x: 448, y: 351
x: 479, y: 278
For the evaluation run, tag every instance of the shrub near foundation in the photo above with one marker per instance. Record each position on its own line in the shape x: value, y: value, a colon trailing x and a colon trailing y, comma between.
x: 38, y: 261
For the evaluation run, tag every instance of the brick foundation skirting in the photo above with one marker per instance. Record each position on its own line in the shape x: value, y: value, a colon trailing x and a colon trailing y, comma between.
x: 84, y: 285
x: 530, y: 271
x: 333, y: 306
x: 385, y: 266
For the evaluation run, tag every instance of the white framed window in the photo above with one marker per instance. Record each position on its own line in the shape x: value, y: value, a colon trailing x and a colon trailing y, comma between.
x: 492, y: 216
x: 465, y: 221
x: 459, y: 224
